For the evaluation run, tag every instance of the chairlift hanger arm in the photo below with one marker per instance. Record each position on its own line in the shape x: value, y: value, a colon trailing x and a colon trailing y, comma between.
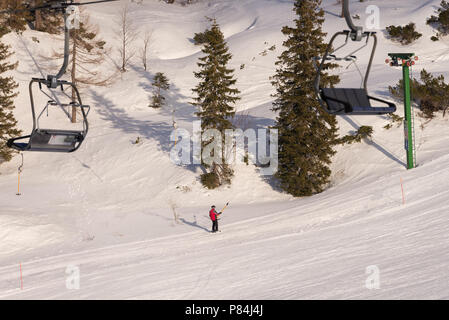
x: 326, y: 54
x: 53, y: 79
x: 370, y: 63
x: 59, y: 83
x: 348, y: 18
x: 356, y: 34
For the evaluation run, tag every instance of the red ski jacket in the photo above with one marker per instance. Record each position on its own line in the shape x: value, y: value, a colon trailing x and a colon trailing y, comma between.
x: 213, y: 214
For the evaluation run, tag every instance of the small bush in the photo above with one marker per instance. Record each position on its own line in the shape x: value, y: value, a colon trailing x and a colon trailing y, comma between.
x: 428, y: 108
x: 184, y: 189
x: 137, y: 141
x: 156, y: 101
x: 431, y: 93
x: 210, y: 180
x: 441, y: 20
x: 405, y: 35
x: 246, y: 159
x: 394, y: 119
x: 364, y: 132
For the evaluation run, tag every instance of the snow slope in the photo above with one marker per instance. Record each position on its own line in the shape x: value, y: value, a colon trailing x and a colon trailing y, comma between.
x: 108, y: 207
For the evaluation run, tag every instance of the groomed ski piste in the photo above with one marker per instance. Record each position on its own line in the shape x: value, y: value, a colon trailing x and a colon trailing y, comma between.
x: 107, y: 208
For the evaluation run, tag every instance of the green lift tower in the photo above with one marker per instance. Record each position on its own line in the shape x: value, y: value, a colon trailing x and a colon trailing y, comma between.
x: 406, y: 60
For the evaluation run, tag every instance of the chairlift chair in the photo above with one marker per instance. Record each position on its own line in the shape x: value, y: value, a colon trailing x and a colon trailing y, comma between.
x: 350, y: 101
x: 52, y: 140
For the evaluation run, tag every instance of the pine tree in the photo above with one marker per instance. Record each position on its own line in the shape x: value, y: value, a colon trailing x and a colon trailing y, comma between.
x: 215, y: 96
x: 47, y: 20
x: 7, y: 86
x: 307, y: 133
x: 160, y: 82
x: 87, y: 51
x: 15, y: 21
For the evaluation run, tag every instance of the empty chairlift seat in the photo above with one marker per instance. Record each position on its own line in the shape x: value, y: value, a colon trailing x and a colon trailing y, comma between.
x: 350, y: 101
x: 353, y: 101
x: 49, y: 140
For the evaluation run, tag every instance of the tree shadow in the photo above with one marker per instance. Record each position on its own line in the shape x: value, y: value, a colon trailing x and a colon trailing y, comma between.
x: 332, y: 14
x: 375, y: 144
x: 176, y: 108
x: 174, y: 100
x: 148, y: 129
x: 252, y: 121
x: 255, y: 122
x: 273, y: 182
x: 158, y: 131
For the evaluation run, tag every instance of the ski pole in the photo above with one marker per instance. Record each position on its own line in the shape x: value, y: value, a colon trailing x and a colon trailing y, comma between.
x: 225, y: 207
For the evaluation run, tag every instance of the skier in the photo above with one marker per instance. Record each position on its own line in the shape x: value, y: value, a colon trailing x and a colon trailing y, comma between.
x: 214, y: 217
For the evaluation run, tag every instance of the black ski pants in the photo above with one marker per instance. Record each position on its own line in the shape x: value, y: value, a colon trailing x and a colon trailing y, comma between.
x: 214, y: 225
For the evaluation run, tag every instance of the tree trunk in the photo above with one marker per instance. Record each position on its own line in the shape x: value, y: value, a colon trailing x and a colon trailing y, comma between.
x: 73, y: 75
x: 38, y: 24
x: 38, y: 16
x: 124, y: 52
